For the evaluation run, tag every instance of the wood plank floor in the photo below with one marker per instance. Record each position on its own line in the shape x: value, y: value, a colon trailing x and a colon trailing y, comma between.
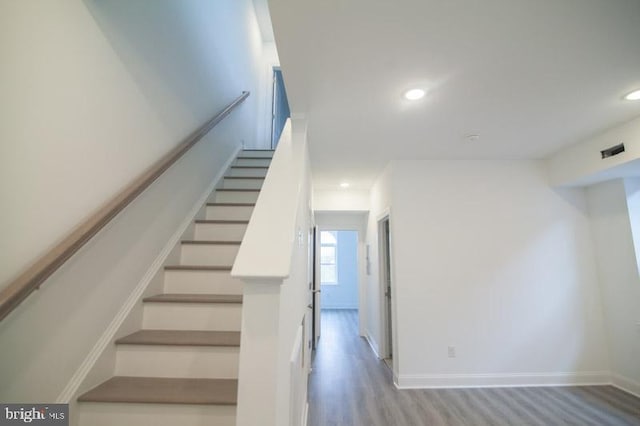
x: 350, y: 387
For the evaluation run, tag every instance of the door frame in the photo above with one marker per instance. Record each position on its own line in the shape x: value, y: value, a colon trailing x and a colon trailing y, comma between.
x: 315, y: 289
x: 389, y: 346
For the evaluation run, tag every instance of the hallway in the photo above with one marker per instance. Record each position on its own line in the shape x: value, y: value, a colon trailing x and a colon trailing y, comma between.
x: 349, y: 386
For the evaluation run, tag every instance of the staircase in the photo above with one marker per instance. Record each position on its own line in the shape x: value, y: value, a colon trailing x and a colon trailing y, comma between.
x: 181, y: 368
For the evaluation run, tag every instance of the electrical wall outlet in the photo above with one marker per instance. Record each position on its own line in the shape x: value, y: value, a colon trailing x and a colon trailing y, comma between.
x: 451, y: 351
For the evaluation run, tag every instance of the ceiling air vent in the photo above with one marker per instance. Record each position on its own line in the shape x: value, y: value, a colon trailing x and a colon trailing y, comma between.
x: 614, y: 150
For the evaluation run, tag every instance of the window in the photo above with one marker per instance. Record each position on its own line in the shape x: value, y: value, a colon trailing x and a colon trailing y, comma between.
x: 328, y: 256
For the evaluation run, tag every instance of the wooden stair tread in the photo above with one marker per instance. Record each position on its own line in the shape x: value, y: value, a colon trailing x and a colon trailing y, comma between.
x: 194, y: 298
x: 157, y: 390
x: 223, y: 221
x: 211, y: 242
x: 182, y: 338
x: 197, y: 268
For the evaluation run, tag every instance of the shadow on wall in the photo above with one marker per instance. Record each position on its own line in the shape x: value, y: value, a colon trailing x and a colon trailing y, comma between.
x: 188, y: 58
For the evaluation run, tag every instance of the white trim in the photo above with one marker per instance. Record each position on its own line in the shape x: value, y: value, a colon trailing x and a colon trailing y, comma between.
x: 108, y: 336
x: 386, y: 212
x: 424, y: 381
x: 625, y: 384
x: 305, y: 415
x: 388, y: 343
x: 371, y: 343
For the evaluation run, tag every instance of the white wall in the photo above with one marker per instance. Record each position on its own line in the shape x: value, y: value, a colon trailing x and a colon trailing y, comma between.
x: 488, y: 259
x: 618, y: 271
x: 582, y: 164
x: 94, y: 93
x: 380, y: 205
x: 341, y: 199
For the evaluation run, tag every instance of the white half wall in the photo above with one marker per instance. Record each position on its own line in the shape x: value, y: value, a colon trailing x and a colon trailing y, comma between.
x: 491, y: 261
x: 619, y: 280
x: 276, y: 295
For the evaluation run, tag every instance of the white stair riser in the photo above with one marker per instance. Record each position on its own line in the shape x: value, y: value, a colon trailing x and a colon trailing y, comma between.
x: 242, y: 183
x: 219, y: 231
x: 236, y: 197
x: 209, y: 362
x: 229, y: 212
x: 209, y: 254
x: 258, y: 153
x: 201, y: 282
x: 96, y: 414
x: 192, y: 316
x: 253, y: 162
x: 247, y: 172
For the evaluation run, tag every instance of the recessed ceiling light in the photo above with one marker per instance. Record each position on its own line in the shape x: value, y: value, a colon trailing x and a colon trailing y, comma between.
x: 633, y: 96
x: 414, y: 94
x: 344, y: 185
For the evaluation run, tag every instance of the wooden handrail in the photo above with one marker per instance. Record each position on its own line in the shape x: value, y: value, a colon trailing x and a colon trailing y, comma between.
x: 29, y: 281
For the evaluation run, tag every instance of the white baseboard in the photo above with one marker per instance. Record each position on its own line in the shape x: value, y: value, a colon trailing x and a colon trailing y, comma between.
x: 625, y: 384
x: 423, y: 381
x: 108, y: 336
x: 367, y: 335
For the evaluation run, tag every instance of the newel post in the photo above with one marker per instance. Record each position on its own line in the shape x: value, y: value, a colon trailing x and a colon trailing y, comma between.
x: 258, y: 372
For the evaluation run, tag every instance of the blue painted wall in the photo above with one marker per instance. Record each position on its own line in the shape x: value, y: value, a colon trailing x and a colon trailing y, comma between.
x: 344, y: 295
x: 282, y: 111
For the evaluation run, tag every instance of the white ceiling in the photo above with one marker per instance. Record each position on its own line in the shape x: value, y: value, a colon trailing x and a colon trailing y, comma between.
x: 528, y: 76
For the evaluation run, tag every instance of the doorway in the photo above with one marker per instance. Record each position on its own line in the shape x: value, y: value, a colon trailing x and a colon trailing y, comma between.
x: 386, y: 284
x: 355, y: 221
x: 337, y: 287
x: 339, y: 269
